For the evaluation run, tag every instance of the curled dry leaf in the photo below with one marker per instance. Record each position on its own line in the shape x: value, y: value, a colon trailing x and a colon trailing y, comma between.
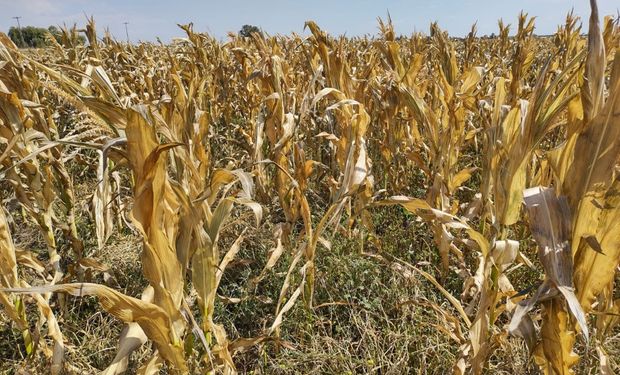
x: 152, y: 319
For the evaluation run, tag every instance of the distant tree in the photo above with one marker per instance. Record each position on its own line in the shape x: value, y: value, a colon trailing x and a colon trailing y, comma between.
x: 35, y: 37
x: 56, y: 33
x: 16, y: 37
x: 247, y: 30
x: 28, y: 36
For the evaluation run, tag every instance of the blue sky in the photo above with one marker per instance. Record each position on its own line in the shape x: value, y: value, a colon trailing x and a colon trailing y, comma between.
x: 149, y: 19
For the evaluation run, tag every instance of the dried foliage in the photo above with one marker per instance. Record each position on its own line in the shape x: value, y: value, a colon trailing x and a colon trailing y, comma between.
x: 188, y: 143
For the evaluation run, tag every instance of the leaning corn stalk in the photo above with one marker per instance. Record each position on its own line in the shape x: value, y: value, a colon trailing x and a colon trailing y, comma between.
x: 38, y: 177
x: 585, y: 220
x: 550, y: 223
x: 155, y: 205
x: 13, y: 305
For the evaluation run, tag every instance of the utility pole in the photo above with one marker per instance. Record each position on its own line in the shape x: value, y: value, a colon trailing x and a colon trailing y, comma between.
x: 126, y: 32
x: 19, y: 28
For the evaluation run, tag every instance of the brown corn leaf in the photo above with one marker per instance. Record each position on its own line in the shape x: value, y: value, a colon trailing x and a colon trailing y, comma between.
x: 274, y: 256
x: 594, y: 270
x: 591, y: 173
x: 557, y: 338
x: 8, y: 261
x: 131, y: 338
x: 550, y: 225
x: 151, y: 318
x: 460, y: 178
x: 604, y: 364
x: 592, y: 90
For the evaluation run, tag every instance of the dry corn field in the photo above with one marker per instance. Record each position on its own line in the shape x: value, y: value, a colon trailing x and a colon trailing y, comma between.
x: 320, y: 204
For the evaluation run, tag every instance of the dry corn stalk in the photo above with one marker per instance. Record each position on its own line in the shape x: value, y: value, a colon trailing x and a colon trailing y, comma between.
x: 312, y: 129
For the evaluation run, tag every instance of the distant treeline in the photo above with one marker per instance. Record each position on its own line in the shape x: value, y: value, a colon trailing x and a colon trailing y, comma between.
x: 37, y: 37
